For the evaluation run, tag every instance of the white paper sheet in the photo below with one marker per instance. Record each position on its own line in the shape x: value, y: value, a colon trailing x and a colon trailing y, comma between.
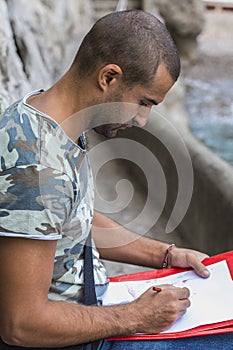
x: 211, y: 298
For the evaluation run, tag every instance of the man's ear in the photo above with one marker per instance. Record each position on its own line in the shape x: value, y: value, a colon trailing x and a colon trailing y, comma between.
x: 109, y: 76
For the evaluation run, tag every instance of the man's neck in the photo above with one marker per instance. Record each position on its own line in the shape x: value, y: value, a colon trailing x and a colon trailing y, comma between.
x: 66, y: 105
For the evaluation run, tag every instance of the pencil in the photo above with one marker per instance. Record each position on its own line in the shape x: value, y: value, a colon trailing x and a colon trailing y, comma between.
x: 157, y: 289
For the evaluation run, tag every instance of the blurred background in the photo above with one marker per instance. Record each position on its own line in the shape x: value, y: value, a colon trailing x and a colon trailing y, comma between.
x: 38, y: 40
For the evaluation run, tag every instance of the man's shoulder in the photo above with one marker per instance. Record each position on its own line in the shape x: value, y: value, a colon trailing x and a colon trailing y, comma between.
x: 18, y: 137
x: 10, y: 112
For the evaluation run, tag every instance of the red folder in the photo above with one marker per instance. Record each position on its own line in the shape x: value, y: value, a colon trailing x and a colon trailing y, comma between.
x: 215, y: 328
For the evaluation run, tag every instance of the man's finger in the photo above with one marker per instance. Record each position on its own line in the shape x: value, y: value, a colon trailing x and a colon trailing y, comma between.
x: 197, y: 265
x: 184, y: 293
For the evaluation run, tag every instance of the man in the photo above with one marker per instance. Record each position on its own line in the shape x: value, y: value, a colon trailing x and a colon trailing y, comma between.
x: 47, y: 198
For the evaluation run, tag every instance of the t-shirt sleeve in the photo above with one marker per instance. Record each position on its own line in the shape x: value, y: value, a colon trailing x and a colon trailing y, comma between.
x: 35, y: 202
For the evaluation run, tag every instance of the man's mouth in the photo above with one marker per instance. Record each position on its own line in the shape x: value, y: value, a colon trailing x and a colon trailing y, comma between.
x: 123, y: 127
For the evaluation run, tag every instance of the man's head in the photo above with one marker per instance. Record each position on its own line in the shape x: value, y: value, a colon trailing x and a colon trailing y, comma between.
x: 131, y: 56
x: 134, y: 40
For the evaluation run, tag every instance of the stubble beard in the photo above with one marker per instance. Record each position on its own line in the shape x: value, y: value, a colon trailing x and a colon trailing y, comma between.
x: 109, y: 130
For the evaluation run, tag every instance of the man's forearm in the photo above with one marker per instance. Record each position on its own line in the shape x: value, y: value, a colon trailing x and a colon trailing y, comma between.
x: 58, y: 324
x: 116, y: 243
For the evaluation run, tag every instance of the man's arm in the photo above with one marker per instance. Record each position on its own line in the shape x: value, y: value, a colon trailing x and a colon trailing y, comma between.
x: 29, y: 319
x: 116, y: 243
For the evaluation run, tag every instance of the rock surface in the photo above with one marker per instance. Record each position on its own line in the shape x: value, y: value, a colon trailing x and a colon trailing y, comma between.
x: 34, y: 37
x: 13, y: 80
x: 185, y: 21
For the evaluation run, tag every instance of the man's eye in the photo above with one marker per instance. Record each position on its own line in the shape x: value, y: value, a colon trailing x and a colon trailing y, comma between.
x: 143, y: 103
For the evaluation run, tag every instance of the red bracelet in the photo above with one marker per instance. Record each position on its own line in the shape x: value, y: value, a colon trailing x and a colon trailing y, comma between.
x: 165, y: 262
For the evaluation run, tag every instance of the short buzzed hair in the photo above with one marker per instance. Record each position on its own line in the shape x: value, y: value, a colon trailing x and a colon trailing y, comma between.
x: 135, y: 40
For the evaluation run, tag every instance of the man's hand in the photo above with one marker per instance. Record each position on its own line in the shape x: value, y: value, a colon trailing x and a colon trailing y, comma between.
x: 157, y: 311
x: 179, y: 257
x: 124, y: 246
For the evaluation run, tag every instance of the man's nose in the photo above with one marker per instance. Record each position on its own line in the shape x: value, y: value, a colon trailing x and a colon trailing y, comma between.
x: 142, y: 116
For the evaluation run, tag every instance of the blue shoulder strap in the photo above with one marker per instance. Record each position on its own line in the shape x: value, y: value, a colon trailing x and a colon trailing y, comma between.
x: 89, y: 282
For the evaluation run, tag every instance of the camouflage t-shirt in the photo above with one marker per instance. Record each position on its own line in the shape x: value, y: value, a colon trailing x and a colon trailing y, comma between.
x: 46, y: 192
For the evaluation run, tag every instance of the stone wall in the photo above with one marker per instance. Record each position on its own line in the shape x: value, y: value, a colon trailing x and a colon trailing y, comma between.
x: 35, y: 39
x: 184, y: 19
